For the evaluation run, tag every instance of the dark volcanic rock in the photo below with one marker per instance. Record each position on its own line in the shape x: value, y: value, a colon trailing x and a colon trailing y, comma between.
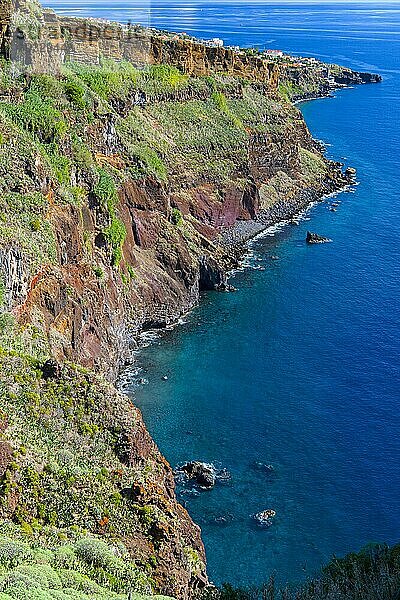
x: 350, y: 174
x: 349, y: 77
x: 202, y: 473
x: 223, y: 475
x: 315, y: 238
x: 51, y: 369
x: 211, y: 276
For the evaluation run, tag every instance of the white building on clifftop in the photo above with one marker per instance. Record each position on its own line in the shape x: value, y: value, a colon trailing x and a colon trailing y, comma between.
x: 274, y: 53
x: 217, y: 42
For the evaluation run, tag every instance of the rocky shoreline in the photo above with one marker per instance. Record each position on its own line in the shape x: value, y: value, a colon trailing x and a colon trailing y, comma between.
x: 236, y: 239
x: 244, y: 231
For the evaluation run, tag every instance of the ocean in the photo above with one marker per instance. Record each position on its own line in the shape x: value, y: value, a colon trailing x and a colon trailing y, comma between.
x: 300, y: 367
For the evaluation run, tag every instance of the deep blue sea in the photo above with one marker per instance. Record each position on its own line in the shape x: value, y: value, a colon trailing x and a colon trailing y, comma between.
x: 300, y: 367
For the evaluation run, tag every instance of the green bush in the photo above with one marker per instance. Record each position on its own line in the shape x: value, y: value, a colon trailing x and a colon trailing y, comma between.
x: 81, y: 153
x: 166, y: 74
x: 109, y: 80
x: 95, y: 553
x: 98, y: 271
x: 106, y: 191
x: 176, y: 217
x: 35, y: 224
x: 13, y: 552
x: 59, y: 163
x: 131, y: 272
x: 74, y: 580
x: 45, y: 567
x: 115, y: 235
x: 37, y: 116
x: 75, y: 92
x: 47, y: 87
x: 149, y: 161
x: 221, y: 102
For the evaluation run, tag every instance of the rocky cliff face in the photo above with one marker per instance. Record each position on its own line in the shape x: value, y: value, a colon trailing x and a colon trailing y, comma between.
x: 316, y: 79
x: 75, y: 457
x: 130, y: 200
x: 90, y: 39
x: 124, y: 192
x: 43, y: 42
x: 5, y: 19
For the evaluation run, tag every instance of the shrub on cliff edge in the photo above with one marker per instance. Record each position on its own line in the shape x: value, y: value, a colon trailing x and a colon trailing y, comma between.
x: 371, y: 574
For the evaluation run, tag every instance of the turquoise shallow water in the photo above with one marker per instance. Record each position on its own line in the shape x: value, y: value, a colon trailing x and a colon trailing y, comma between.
x: 299, y: 367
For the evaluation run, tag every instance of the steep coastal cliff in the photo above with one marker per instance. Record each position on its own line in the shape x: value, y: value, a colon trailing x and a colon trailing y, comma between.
x: 132, y: 165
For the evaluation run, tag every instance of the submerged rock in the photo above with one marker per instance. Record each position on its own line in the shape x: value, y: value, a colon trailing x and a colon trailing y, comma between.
x: 315, y: 238
x: 263, y: 467
x: 265, y: 517
x: 223, y: 475
x: 224, y: 519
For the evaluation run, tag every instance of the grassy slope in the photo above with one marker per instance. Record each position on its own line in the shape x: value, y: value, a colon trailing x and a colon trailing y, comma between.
x: 68, y: 439
x: 63, y: 565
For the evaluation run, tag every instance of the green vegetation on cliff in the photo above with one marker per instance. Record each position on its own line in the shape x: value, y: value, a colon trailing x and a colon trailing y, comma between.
x: 75, y: 458
x: 74, y: 140
x: 51, y: 563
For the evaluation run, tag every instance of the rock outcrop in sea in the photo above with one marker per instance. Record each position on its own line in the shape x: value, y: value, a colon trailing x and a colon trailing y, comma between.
x: 316, y: 238
x: 265, y: 517
x: 202, y: 473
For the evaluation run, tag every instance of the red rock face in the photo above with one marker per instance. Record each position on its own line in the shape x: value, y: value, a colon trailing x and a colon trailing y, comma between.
x: 89, y: 318
x: 214, y: 211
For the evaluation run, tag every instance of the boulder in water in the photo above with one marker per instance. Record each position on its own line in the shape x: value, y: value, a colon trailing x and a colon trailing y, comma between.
x: 202, y: 473
x: 265, y: 517
x: 350, y: 174
x: 223, y: 475
x: 315, y: 238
